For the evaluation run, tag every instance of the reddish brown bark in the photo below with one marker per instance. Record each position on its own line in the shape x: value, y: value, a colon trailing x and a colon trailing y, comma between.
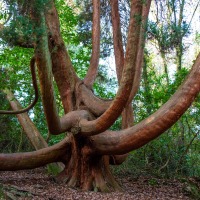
x: 44, y: 65
x: 116, y: 107
x: 120, y: 142
x: 35, y: 159
x: 127, y: 114
x: 94, y: 104
x: 87, y: 170
x: 140, y: 55
x: 117, y: 38
x: 94, y: 62
x: 62, y: 68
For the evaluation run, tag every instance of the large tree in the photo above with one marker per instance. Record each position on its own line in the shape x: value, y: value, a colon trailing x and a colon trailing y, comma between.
x: 90, y: 147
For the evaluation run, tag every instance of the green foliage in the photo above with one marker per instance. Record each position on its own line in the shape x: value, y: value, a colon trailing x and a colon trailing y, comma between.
x: 68, y: 20
x: 191, y: 188
x: 19, y: 28
x: 14, y: 75
x: 11, y: 134
x: 84, y: 28
x: 168, y: 35
x: 79, y: 53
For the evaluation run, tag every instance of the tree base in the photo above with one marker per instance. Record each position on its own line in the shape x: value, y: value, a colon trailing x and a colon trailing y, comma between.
x: 88, y: 172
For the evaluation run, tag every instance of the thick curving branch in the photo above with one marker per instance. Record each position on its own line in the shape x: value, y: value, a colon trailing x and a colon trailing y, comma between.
x: 70, y: 121
x: 34, y: 81
x: 116, y: 107
x: 94, y: 104
x: 30, y: 160
x: 94, y: 61
x: 120, y: 142
x: 127, y: 114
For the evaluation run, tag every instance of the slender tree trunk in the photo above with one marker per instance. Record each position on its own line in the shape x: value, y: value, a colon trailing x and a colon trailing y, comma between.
x: 28, y: 126
x: 179, y: 47
x: 165, y: 66
x: 31, y: 131
x: 146, y: 87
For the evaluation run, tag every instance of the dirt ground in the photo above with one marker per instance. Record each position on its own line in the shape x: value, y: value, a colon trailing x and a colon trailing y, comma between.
x: 37, y: 184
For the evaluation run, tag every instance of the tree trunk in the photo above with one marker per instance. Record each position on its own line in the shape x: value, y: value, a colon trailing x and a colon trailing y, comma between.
x: 87, y: 170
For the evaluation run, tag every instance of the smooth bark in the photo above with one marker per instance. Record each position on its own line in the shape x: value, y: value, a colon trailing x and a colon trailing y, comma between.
x: 116, y: 107
x: 62, y: 68
x: 94, y: 61
x: 31, y: 160
x: 140, y: 54
x: 95, y: 105
x: 89, y: 151
x: 127, y: 114
x: 120, y: 142
x: 117, y: 39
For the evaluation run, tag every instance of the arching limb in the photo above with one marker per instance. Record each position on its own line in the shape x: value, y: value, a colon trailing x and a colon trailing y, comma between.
x: 30, y: 160
x: 124, y: 141
x: 34, y: 81
x: 96, y: 105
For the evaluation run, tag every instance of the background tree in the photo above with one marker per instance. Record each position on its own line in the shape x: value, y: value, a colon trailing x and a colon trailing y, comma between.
x: 89, y: 147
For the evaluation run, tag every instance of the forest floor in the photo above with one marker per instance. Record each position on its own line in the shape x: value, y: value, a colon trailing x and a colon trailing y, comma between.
x: 37, y: 184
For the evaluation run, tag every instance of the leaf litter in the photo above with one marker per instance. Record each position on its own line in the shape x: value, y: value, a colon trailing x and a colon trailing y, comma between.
x: 37, y: 184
